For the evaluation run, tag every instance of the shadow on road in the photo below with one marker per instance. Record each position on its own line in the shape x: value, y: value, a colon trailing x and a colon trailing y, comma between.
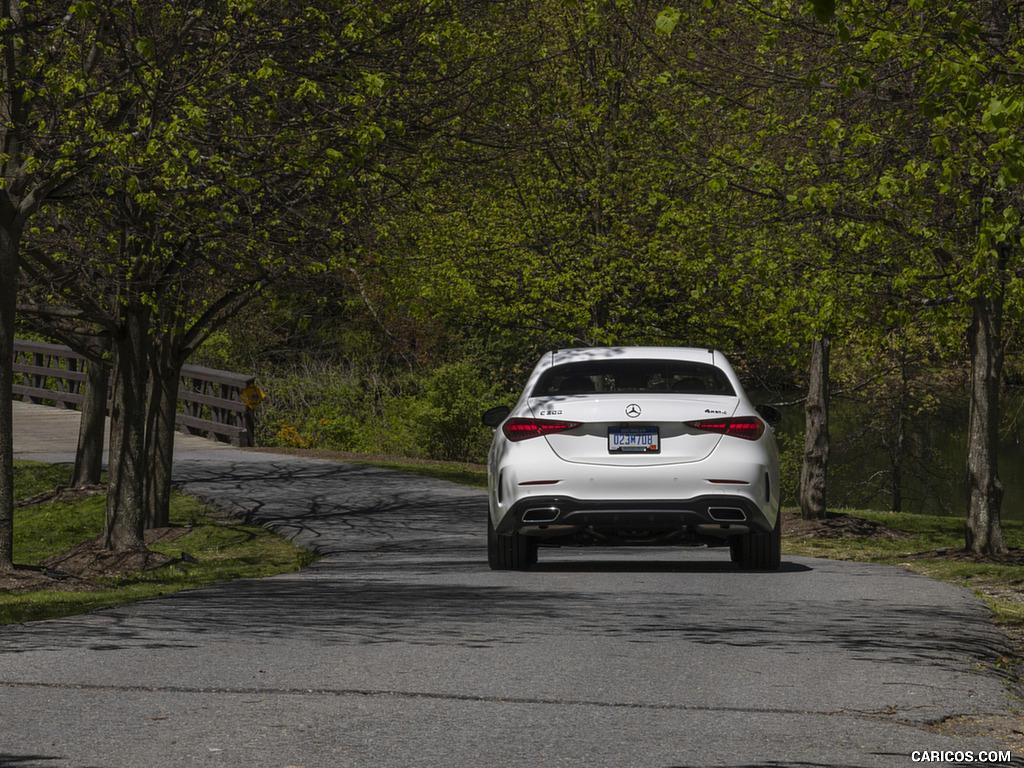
x: 13, y: 761
x: 405, y: 563
x: 639, y: 565
x: 338, y: 604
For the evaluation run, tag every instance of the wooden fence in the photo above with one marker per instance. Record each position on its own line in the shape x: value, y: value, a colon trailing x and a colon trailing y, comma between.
x: 215, y: 404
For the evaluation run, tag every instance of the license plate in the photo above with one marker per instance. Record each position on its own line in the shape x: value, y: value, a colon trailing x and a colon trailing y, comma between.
x: 633, y: 440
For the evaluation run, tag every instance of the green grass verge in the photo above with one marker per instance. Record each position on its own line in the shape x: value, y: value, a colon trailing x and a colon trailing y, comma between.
x: 223, y: 552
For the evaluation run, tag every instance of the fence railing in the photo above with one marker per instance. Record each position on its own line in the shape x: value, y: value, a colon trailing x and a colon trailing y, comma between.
x: 211, y: 403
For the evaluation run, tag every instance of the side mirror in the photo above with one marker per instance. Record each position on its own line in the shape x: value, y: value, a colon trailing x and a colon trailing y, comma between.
x: 770, y: 414
x: 494, y: 416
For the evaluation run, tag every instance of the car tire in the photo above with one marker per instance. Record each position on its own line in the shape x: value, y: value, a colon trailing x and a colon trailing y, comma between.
x: 514, y: 552
x: 736, y: 549
x: 759, y: 551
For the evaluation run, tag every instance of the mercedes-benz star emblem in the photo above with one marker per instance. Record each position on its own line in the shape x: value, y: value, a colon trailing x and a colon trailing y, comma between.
x: 632, y: 410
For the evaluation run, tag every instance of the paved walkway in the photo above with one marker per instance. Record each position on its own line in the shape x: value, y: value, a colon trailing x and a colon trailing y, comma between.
x: 400, y: 648
x: 50, y: 434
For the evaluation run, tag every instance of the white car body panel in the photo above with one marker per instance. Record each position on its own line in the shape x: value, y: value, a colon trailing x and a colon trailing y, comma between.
x: 677, y: 484
x: 590, y: 444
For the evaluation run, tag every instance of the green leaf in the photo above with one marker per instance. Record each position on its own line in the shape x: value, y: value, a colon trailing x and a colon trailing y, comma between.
x: 667, y: 21
x: 843, y: 31
x: 824, y: 10
x: 82, y: 11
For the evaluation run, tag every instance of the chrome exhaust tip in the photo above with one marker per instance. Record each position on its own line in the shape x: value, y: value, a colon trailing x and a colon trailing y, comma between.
x: 541, y: 514
x: 727, y: 514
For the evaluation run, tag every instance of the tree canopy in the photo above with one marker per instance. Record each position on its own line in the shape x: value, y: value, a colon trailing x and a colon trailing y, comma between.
x: 780, y: 180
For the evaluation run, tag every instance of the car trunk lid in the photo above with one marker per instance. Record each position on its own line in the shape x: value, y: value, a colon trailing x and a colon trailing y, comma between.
x: 633, y: 429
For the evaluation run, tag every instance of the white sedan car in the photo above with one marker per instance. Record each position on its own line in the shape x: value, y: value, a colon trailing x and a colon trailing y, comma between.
x: 634, y: 446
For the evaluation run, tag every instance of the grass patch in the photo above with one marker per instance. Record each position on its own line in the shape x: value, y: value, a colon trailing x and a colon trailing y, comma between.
x: 222, y: 552
x: 46, y: 529
x: 32, y: 477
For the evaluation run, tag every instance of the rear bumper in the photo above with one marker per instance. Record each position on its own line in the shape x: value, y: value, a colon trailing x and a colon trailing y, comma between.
x: 712, y: 515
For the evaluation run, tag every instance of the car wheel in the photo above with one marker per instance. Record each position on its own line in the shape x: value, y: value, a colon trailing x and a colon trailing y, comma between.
x: 759, y: 551
x: 509, y: 553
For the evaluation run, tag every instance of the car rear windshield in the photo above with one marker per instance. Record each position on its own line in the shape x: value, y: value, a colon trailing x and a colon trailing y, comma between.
x: 622, y: 376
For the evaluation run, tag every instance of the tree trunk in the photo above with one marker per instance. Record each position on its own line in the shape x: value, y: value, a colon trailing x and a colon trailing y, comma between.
x: 126, y: 491
x: 166, y: 372
x: 89, y: 456
x: 897, y: 462
x: 897, y: 451
x: 984, y: 533
x: 816, y: 443
x: 9, y: 238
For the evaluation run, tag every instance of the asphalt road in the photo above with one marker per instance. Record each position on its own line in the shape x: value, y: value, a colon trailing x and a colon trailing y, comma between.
x: 400, y: 648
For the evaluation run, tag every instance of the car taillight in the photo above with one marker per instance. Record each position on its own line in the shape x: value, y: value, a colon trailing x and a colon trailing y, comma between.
x: 747, y: 427
x: 523, y: 429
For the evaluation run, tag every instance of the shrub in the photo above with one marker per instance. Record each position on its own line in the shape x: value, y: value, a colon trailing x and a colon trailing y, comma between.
x: 312, y: 406
x: 435, y: 416
x: 446, y: 413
